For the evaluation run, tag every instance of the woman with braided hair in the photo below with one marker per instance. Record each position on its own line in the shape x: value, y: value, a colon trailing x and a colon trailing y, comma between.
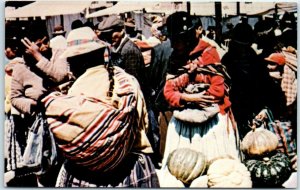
x: 101, y: 124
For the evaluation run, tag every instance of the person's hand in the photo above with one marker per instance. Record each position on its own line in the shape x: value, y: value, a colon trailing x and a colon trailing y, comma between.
x: 44, y: 47
x: 272, y: 67
x: 294, y: 162
x: 291, y: 49
x: 191, y: 67
x: 39, y: 42
x: 33, y: 108
x: 32, y: 48
x: 262, y: 115
x: 259, y: 119
x: 200, y: 98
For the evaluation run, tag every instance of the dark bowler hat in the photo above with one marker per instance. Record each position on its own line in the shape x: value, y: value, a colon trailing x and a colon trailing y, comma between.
x: 264, y: 27
x: 243, y: 34
x: 130, y: 23
x: 59, y: 30
x: 109, y: 23
x: 179, y: 23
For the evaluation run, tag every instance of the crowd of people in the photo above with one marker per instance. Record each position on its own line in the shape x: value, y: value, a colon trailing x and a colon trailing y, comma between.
x: 105, y: 90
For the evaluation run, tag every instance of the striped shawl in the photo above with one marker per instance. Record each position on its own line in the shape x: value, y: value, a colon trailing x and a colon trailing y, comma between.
x: 91, y: 132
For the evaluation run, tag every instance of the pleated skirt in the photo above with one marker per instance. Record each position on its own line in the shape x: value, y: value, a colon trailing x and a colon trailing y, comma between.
x: 136, y: 170
x: 214, y: 138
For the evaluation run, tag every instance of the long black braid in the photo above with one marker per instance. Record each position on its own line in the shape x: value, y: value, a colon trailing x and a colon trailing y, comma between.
x: 110, y: 70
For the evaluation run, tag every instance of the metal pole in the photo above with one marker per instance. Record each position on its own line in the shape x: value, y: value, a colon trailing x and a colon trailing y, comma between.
x: 188, y: 7
x: 62, y: 20
x: 238, y: 12
x: 218, y: 13
x: 276, y: 12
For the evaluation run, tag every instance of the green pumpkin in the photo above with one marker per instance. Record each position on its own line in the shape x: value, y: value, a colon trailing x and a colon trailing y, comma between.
x: 186, y: 164
x: 270, y: 171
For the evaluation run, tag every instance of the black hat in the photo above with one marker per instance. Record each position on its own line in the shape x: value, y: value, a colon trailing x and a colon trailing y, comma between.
x: 243, y: 34
x: 109, y: 23
x: 76, y: 24
x: 179, y: 23
x: 264, y: 27
x: 59, y: 30
x: 89, y: 24
x: 288, y: 19
x: 130, y: 22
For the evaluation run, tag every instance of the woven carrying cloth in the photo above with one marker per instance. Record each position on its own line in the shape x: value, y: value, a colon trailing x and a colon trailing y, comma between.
x: 93, y: 133
x: 13, y: 147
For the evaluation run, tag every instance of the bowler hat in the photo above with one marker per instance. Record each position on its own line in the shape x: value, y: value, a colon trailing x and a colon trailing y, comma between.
x: 179, y: 23
x: 264, y: 27
x: 109, y: 23
x: 130, y: 23
x: 58, y: 30
x: 243, y: 34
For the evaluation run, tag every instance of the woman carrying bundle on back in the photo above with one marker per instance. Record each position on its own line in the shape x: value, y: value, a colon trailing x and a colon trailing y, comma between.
x: 101, y: 124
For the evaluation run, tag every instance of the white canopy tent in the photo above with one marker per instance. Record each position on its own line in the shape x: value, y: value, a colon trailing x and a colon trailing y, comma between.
x: 258, y: 8
x: 197, y: 8
x: 166, y: 7
x: 120, y: 7
x: 48, y: 8
x: 45, y: 8
x: 208, y: 8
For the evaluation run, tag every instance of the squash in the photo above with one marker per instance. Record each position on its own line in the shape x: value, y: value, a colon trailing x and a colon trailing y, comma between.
x: 167, y: 180
x: 228, y: 173
x: 270, y: 171
x: 186, y: 164
x: 259, y: 141
x: 200, y: 181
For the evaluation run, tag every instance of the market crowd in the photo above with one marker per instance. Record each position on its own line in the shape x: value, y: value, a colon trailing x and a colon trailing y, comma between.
x: 87, y: 109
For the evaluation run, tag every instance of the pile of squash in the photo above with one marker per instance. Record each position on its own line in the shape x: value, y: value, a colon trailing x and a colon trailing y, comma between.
x: 268, y: 167
x: 263, y: 165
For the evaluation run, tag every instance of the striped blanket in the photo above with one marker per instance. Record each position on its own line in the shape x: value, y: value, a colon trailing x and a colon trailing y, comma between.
x: 283, y: 131
x: 289, y: 78
x: 93, y: 133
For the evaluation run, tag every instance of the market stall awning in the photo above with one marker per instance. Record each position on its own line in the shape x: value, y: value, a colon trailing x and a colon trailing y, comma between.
x: 165, y: 7
x: 52, y: 8
x: 120, y: 7
x: 48, y: 8
x: 197, y: 8
x: 262, y: 8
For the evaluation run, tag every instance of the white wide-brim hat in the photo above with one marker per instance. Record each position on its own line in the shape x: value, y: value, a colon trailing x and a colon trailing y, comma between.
x: 80, y: 41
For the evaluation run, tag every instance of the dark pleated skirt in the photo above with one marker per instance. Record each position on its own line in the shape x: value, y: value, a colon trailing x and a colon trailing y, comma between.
x: 136, y: 170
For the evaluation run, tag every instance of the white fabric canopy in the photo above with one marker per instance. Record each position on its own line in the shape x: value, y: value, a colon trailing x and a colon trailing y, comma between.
x: 48, y: 8
x: 165, y: 7
x: 120, y: 7
x: 258, y: 8
x: 197, y: 8
x: 53, y: 8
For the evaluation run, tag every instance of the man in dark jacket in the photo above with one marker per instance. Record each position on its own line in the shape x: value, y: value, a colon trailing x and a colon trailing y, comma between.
x: 126, y: 54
